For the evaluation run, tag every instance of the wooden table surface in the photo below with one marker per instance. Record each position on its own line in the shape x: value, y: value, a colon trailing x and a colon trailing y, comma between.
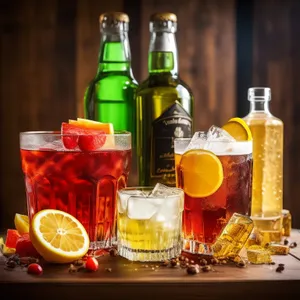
x: 129, y: 280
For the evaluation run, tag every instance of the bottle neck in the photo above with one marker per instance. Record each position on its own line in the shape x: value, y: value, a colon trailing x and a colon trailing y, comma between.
x: 259, y: 106
x: 163, y: 53
x: 114, y: 53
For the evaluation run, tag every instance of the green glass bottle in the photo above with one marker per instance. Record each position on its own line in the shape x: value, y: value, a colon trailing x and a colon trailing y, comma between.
x: 164, y: 105
x: 110, y: 96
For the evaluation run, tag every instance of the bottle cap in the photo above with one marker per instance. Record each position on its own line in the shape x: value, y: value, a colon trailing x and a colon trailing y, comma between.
x: 163, y: 17
x: 114, y: 20
x: 166, y: 22
x: 259, y: 94
x: 112, y: 17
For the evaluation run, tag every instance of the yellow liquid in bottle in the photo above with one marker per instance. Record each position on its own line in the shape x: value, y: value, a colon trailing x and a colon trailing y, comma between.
x: 267, y: 182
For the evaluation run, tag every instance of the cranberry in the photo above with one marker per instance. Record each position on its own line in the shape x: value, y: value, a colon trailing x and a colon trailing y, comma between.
x: 91, y: 264
x: 35, y: 269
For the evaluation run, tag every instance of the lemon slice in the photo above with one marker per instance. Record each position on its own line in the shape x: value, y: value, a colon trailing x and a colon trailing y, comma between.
x: 21, y: 223
x: 238, y: 129
x: 202, y: 173
x: 58, y: 236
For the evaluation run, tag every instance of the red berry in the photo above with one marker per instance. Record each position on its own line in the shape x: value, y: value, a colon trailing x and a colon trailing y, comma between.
x: 35, y: 269
x: 25, y: 248
x: 87, y: 139
x: 70, y: 141
x: 91, y: 142
x: 91, y: 264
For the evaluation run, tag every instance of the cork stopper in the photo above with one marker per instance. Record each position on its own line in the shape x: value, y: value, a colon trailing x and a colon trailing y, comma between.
x: 164, y: 17
x: 112, y: 17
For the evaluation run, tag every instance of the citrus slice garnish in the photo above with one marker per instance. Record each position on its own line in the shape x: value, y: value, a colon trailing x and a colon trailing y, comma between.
x: 202, y: 173
x: 238, y: 129
x: 21, y: 223
x: 58, y: 236
x: 108, y: 128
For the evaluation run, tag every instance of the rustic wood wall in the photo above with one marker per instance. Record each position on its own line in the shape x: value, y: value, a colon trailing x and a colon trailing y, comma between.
x: 276, y: 63
x: 48, y: 54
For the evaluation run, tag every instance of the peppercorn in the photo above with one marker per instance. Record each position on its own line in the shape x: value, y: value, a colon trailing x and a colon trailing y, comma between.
x: 165, y: 263
x: 174, y: 263
x: 241, y: 264
x: 206, y: 268
x: 11, y: 264
x: 203, y: 262
x: 78, y: 263
x: 181, y: 258
x: 293, y: 245
x: 72, y: 268
x: 286, y: 242
x: 281, y: 265
x: 279, y: 269
x: 192, y: 270
x: 272, y: 263
x: 113, y: 252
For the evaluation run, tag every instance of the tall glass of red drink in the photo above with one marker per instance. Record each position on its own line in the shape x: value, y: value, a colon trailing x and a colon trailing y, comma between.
x: 81, y: 182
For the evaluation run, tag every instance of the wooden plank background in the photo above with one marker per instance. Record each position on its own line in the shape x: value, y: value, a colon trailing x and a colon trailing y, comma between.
x: 48, y: 54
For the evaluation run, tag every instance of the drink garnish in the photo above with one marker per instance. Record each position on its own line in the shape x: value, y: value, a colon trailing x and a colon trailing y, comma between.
x: 204, y: 180
x: 58, y: 236
x: 238, y: 129
x: 21, y: 223
x: 108, y: 128
x: 86, y: 139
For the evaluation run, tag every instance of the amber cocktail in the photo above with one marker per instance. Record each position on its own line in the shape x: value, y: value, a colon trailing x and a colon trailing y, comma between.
x: 205, y: 217
x: 79, y: 181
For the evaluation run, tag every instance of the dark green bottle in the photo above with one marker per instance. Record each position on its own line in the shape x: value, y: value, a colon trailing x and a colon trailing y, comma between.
x: 110, y: 96
x: 164, y: 105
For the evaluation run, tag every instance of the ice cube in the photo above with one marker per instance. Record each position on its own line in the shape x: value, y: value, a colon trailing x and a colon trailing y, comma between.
x: 123, y: 197
x: 218, y: 134
x: 198, y: 141
x: 161, y: 190
x: 169, y: 209
x: 140, y: 208
x: 55, y: 145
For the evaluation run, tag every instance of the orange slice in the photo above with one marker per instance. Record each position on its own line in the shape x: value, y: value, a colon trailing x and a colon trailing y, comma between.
x: 58, y: 236
x: 202, y: 173
x: 238, y: 129
x: 108, y: 128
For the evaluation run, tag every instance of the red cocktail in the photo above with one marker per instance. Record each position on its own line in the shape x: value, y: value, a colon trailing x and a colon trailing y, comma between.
x: 81, y: 182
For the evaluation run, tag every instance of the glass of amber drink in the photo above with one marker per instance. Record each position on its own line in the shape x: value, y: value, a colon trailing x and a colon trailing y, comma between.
x: 215, y: 172
x: 79, y: 174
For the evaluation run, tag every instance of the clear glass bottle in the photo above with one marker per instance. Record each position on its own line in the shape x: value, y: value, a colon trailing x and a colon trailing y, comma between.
x: 164, y: 105
x: 267, y: 185
x: 110, y: 96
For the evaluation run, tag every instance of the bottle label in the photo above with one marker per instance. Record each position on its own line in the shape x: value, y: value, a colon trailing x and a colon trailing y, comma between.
x: 173, y: 123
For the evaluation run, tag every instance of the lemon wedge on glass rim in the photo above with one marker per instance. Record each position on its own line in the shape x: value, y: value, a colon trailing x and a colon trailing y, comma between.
x: 238, y: 129
x: 58, y: 236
